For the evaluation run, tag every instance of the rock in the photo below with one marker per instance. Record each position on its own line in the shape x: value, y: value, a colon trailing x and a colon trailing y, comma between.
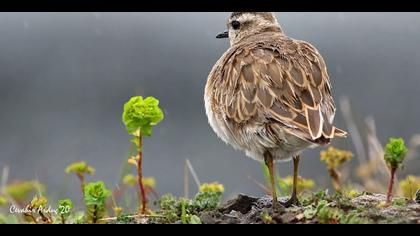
x: 368, y: 199
x: 209, y: 217
x: 250, y: 210
x: 285, y: 218
x: 241, y: 203
x: 418, y: 196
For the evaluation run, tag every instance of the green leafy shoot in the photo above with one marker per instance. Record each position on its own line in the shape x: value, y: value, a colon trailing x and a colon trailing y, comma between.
x: 80, y: 167
x: 395, y: 151
x: 95, y: 195
x: 186, y: 211
x: 38, y: 204
x: 141, y: 115
x: 64, y: 208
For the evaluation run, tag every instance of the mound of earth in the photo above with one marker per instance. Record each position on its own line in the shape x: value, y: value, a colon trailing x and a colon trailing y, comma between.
x: 366, y: 208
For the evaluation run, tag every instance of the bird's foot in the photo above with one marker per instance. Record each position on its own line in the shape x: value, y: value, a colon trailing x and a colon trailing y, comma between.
x: 293, y: 201
x: 277, y: 207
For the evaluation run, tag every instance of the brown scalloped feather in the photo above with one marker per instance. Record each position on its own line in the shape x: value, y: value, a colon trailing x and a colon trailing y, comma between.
x: 276, y: 81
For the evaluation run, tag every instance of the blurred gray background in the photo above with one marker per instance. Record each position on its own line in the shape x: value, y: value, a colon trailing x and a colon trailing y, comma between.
x: 64, y: 78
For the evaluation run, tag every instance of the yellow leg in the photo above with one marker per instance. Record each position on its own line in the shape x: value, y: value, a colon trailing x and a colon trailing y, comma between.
x: 293, y: 199
x: 270, y: 164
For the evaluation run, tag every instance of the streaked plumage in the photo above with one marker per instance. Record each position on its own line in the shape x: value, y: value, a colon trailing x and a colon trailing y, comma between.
x: 269, y: 92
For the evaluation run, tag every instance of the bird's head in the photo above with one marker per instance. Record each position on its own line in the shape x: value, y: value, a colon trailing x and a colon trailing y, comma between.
x: 243, y: 24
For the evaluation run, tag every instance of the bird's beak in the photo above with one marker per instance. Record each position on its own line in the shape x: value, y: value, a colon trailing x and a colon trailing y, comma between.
x: 224, y: 34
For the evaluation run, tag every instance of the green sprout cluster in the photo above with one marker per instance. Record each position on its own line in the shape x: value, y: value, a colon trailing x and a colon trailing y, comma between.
x: 208, y: 198
x: 187, y: 211
x: 334, y: 158
x: 39, y: 202
x: 141, y: 115
x: 80, y: 168
x: 214, y: 187
x: 64, y: 208
x: 395, y: 151
x: 286, y: 184
x: 328, y: 209
x: 37, y: 205
x: 95, y: 195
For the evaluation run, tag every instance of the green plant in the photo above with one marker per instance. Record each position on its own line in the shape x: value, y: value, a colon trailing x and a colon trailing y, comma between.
x: 395, y: 151
x: 399, y: 201
x: 3, y: 201
x: 329, y: 211
x: 334, y: 158
x: 266, y: 218
x: 20, y: 191
x: 409, y: 186
x: 329, y: 215
x: 139, y: 117
x: 312, y: 210
x: 130, y: 180
x: 187, y: 211
x: 38, y: 205
x: 208, y: 197
x: 80, y: 169
x: 352, y: 218
x: 95, y: 195
x: 149, y: 183
x: 64, y: 208
x: 286, y: 184
x: 168, y: 206
x: 117, y: 211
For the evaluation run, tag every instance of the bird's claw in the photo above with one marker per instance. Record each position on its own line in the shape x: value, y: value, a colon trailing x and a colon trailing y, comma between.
x: 293, y: 201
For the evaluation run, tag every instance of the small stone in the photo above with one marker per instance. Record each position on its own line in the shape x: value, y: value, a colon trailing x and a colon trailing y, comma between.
x: 300, y: 216
x: 418, y: 196
x: 208, y: 218
x: 285, y: 218
x: 241, y: 203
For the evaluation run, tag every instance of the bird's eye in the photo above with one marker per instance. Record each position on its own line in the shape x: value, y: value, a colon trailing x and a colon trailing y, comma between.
x: 235, y: 24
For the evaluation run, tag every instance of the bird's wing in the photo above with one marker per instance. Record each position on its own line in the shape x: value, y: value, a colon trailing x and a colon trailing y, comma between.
x: 285, y: 83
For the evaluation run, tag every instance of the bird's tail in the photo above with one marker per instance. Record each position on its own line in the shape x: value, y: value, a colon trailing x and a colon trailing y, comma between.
x: 339, y: 133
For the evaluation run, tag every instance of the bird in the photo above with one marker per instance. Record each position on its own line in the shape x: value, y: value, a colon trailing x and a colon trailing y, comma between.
x: 269, y: 95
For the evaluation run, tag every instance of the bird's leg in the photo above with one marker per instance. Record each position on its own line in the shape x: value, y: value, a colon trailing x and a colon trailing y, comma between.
x: 293, y: 199
x: 270, y: 164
